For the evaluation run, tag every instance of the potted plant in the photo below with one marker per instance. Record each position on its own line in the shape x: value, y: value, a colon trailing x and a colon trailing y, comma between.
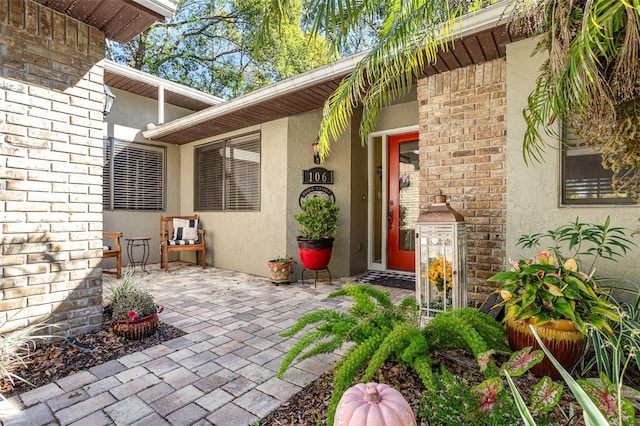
x: 318, y: 225
x: 134, y: 312
x: 280, y: 269
x: 557, y: 294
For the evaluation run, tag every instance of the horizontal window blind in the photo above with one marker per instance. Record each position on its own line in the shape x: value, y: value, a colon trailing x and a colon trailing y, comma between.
x: 135, y: 176
x: 209, y: 166
x: 584, y: 180
x: 228, y: 174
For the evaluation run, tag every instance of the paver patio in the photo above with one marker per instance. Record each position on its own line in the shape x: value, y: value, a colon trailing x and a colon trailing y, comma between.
x: 222, y: 372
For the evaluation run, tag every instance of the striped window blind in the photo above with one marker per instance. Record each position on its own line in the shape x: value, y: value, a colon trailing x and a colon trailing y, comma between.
x: 228, y: 174
x: 133, y: 176
x: 584, y: 180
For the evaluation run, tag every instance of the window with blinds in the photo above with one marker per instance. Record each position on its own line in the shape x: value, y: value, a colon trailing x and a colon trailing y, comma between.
x: 133, y: 176
x: 228, y: 174
x: 584, y: 180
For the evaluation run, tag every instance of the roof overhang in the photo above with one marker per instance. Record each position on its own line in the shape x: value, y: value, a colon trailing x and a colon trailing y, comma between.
x: 482, y: 37
x: 144, y: 84
x: 119, y: 20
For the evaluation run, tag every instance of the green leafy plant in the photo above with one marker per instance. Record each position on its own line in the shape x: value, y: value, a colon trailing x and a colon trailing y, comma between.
x: 612, y: 353
x: 582, y: 239
x: 469, y: 329
x: 550, y: 286
x: 591, y: 413
x: 611, y: 399
x: 602, y: 403
x: 379, y: 331
x: 129, y: 300
x: 282, y: 259
x: 615, y: 356
x: 451, y: 400
x: 588, y: 80
x: 319, y: 218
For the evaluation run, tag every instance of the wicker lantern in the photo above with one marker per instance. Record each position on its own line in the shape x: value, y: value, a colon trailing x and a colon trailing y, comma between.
x: 441, y: 259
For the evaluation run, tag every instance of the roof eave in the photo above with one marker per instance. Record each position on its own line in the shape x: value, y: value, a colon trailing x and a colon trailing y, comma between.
x: 470, y: 24
x: 166, y: 8
x: 137, y: 75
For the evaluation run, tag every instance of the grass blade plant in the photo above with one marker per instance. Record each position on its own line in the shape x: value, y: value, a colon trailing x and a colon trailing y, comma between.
x: 16, y: 347
x: 618, y: 354
x: 520, y: 404
x: 592, y: 415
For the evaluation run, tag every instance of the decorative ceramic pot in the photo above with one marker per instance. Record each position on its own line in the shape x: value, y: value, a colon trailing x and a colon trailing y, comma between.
x: 138, y: 328
x: 280, y: 272
x: 315, y: 254
x: 561, y: 337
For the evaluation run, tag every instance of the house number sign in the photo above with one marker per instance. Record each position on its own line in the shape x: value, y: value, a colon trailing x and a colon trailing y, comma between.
x: 317, y: 176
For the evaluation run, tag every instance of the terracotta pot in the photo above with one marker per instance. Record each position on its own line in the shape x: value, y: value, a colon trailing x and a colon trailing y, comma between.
x: 280, y: 272
x: 315, y: 254
x: 137, y: 329
x: 561, y: 337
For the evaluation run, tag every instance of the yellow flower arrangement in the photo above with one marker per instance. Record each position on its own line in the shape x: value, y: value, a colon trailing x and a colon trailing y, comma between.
x: 439, y: 273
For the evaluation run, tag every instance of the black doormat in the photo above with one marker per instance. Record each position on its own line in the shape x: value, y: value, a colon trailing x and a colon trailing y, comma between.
x: 389, y: 279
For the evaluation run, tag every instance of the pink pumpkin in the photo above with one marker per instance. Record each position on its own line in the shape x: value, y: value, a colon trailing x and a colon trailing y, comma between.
x: 373, y: 404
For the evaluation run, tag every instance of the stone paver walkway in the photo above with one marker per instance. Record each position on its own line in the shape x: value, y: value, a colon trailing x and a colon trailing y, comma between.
x: 222, y: 372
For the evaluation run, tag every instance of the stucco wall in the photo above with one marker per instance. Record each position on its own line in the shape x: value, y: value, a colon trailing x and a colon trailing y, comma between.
x: 402, y: 113
x: 128, y: 118
x: 533, y: 192
x: 302, y: 132
x: 245, y: 241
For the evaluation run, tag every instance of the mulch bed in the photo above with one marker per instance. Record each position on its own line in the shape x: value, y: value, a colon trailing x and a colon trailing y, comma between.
x: 53, y: 361
x: 309, y: 407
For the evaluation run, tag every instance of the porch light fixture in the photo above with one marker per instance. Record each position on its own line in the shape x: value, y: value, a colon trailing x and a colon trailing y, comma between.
x: 441, y: 259
x: 109, y: 97
x: 316, y: 153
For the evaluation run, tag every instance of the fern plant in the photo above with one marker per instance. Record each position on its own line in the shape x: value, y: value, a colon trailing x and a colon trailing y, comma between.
x: 469, y: 329
x: 381, y: 331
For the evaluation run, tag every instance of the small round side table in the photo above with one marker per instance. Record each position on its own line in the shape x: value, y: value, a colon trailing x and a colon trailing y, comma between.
x: 143, y: 242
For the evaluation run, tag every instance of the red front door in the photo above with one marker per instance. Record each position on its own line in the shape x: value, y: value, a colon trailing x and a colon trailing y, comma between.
x: 403, y: 205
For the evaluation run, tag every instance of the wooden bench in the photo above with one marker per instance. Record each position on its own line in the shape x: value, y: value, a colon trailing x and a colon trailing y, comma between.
x: 187, y: 237
x: 114, y: 250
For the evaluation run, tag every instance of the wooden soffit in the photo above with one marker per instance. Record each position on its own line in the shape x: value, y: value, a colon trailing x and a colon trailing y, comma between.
x: 473, y: 49
x: 119, y: 20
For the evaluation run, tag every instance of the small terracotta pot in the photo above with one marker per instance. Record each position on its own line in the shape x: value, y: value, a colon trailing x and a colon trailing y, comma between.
x: 280, y: 272
x: 137, y: 329
x: 561, y: 337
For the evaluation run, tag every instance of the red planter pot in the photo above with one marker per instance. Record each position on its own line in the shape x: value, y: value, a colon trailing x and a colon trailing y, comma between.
x: 315, y: 254
x: 561, y: 337
x: 137, y: 329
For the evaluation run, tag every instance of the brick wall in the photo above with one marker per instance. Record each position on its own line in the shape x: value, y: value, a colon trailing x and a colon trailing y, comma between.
x: 462, y: 152
x: 51, y: 101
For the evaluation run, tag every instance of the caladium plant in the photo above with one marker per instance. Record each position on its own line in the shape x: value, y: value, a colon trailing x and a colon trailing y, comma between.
x: 616, y: 408
x: 522, y: 360
x: 545, y: 396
